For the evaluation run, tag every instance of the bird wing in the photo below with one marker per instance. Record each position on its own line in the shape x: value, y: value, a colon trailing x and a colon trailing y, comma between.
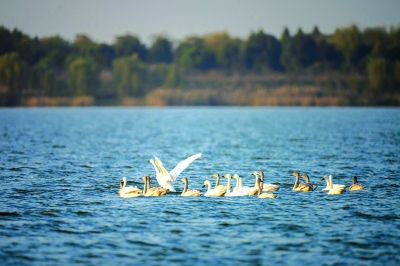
x: 160, y: 166
x: 174, y: 173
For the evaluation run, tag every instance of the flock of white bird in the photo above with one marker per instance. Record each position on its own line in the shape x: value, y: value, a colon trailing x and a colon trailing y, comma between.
x: 165, y: 180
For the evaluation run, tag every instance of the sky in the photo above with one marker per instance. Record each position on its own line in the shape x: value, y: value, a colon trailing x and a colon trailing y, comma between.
x: 103, y: 20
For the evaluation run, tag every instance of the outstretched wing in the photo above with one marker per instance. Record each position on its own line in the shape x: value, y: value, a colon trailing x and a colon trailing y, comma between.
x: 174, y: 173
x: 160, y: 166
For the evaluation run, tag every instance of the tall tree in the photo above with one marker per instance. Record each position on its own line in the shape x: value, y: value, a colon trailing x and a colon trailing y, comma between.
x: 262, y: 51
x: 377, y: 72
x: 14, y: 75
x: 192, y: 53
x: 161, y: 50
x: 349, y: 41
x: 127, y: 45
x: 298, y: 52
x: 129, y: 76
x: 83, y: 76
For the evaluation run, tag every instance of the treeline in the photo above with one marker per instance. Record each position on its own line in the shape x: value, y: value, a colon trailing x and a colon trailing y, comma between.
x: 206, y: 70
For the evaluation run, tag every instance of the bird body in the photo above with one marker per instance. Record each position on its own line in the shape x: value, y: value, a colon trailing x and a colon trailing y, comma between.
x: 228, y: 189
x: 339, y: 189
x: 355, y: 185
x: 128, y: 191
x: 212, y: 192
x: 263, y: 195
x: 189, y: 192
x: 302, y: 187
x: 267, y: 187
x: 334, y: 186
x: 217, y: 185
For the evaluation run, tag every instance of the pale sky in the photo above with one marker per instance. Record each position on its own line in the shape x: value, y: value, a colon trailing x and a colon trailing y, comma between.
x: 103, y: 20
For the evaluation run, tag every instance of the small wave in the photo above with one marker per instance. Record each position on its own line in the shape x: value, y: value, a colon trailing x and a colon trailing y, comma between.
x: 9, y: 214
x: 85, y: 166
x: 140, y: 242
x: 50, y: 212
x: 83, y: 213
x: 21, y: 167
x: 58, y: 146
x: 69, y: 231
x: 176, y: 231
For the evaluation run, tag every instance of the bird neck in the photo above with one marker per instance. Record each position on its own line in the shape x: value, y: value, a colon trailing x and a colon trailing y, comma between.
x: 148, y: 183
x: 145, y: 186
x: 296, y: 183
x: 208, y: 186
x: 217, y: 183
x: 185, y: 187
x: 258, y: 187
x: 228, y: 185
x: 255, y: 184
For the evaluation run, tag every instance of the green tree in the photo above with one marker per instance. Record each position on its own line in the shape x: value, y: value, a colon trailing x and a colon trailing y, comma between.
x: 84, y: 46
x: 392, y: 47
x: 349, y: 41
x: 127, y: 45
x: 192, y: 53
x: 14, y: 72
x: 376, y: 39
x: 228, y: 55
x: 262, y: 52
x: 377, y: 73
x: 54, y: 50
x: 83, y: 77
x: 161, y: 51
x: 129, y: 76
x: 14, y: 75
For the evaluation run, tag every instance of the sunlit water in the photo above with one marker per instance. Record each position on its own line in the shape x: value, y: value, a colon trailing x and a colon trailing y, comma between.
x: 60, y: 170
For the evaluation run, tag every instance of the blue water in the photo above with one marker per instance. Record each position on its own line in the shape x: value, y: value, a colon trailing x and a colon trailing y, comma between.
x: 60, y: 170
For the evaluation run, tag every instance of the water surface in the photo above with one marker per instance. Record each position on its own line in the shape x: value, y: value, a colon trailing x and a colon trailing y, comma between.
x: 60, y: 170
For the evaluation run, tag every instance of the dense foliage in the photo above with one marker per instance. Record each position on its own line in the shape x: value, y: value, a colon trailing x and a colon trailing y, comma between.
x: 367, y: 61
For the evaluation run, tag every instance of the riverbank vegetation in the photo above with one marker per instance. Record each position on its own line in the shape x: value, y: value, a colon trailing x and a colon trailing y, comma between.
x: 349, y: 67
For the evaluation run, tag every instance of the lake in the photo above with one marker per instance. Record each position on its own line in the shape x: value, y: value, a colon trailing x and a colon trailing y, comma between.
x: 60, y: 170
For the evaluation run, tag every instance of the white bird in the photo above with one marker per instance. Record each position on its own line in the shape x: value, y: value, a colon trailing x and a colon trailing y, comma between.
x: 263, y: 195
x: 267, y: 187
x: 164, y: 178
x: 128, y: 191
x: 240, y: 188
x: 228, y: 192
x: 334, y: 186
x: 333, y: 190
x: 213, y: 192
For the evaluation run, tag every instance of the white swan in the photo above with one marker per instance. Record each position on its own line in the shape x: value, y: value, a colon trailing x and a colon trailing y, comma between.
x: 164, y: 178
x: 228, y: 192
x: 332, y: 190
x: 243, y: 189
x: 263, y: 195
x: 267, y: 187
x: 328, y: 184
x: 128, y: 191
x: 212, y: 192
